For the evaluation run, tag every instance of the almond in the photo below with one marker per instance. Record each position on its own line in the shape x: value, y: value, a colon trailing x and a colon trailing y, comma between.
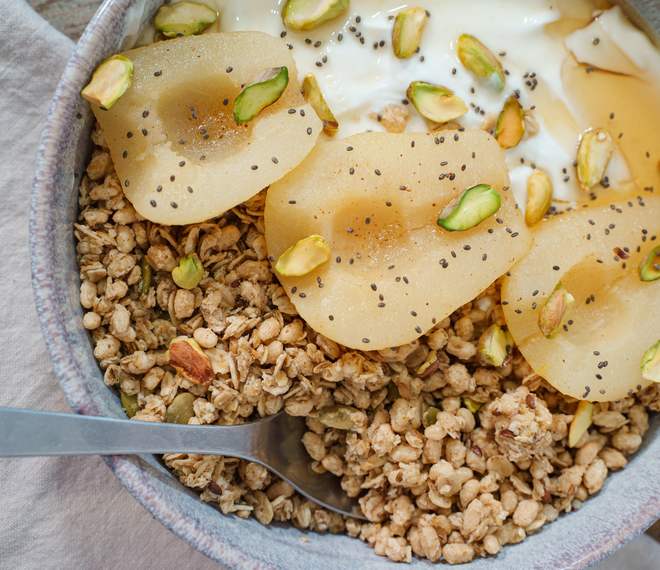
x: 189, y: 360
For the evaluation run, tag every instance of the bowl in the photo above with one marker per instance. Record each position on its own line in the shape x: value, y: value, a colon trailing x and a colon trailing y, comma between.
x: 628, y: 503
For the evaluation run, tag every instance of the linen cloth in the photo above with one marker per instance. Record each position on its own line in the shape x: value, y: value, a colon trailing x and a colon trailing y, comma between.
x: 60, y: 513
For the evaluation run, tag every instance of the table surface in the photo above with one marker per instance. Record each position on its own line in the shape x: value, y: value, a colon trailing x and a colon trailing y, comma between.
x: 71, y: 16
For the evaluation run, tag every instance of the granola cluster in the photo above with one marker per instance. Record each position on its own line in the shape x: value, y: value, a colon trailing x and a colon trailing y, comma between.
x: 450, y: 458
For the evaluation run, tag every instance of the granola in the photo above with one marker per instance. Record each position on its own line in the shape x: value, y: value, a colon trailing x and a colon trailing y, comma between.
x: 487, y: 467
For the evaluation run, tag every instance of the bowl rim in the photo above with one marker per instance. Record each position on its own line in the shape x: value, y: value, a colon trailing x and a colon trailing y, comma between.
x: 127, y: 469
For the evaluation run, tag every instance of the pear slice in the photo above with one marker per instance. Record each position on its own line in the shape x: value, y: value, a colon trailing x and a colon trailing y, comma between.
x: 184, y: 19
x: 310, y: 14
x: 178, y: 152
x: 393, y: 273
x: 595, y: 253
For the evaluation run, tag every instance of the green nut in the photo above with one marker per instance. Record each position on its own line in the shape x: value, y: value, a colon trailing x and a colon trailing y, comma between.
x: 429, y: 416
x: 181, y: 408
x: 475, y: 205
x: 493, y: 346
x: 303, y: 256
x: 145, y: 281
x: 109, y: 82
x: 510, y: 126
x: 407, y: 31
x: 649, y: 269
x: 189, y: 272
x: 184, y: 19
x: 314, y: 96
x: 338, y: 417
x: 593, y: 156
x: 471, y: 405
x: 480, y: 61
x: 129, y: 403
x: 309, y: 14
x: 261, y: 93
x: 539, y: 197
x: 435, y: 102
x: 650, y: 363
x: 555, y: 310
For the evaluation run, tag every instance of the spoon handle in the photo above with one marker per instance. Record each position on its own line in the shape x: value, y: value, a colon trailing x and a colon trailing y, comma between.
x: 25, y: 433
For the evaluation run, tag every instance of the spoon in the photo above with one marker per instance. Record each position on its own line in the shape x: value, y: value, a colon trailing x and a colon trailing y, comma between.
x: 274, y: 442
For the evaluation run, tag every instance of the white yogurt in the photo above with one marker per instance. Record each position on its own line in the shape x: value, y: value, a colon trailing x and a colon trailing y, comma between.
x: 358, y: 80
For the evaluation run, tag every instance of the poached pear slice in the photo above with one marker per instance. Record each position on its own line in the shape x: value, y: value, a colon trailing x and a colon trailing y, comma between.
x: 595, y: 252
x: 179, y: 154
x: 392, y: 273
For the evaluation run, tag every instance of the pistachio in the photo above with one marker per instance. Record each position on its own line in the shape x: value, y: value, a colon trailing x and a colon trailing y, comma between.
x: 429, y: 416
x: 554, y: 311
x: 493, y: 345
x: 435, y: 102
x: 190, y: 361
x: 480, y: 61
x: 262, y: 92
x: 649, y: 269
x: 510, y: 126
x: 338, y: 417
x: 539, y: 197
x: 425, y: 367
x: 184, y: 19
x: 303, y: 256
x: 189, y: 272
x: 145, y: 281
x: 181, y: 409
x: 314, y: 96
x: 531, y: 124
x: 581, y: 422
x: 309, y: 14
x: 650, y: 364
x: 109, y: 82
x: 129, y: 403
x: 471, y: 405
x: 475, y: 205
x: 510, y: 343
x: 407, y: 31
x: 593, y: 155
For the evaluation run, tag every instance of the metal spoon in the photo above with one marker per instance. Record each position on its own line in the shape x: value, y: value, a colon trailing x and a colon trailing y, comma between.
x: 274, y: 442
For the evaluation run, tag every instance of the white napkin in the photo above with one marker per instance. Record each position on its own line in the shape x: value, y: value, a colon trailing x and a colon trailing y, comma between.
x: 55, y: 513
x: 70, y: 512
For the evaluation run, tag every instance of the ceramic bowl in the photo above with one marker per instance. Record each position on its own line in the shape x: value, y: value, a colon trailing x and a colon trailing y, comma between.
x: 628, y: 503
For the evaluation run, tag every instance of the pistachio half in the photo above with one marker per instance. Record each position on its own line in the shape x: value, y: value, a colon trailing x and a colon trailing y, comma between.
x: 593, y: 155
x: 649, y: 269
x: 314, y: 96
x: 429, y: 416
x: 190, y: 361
x: 475, y: 205
x: 554, y: 311
x: 181, y: 409
x: 581, y: 422
x: 309, y: 14
x: 129, y: 403
x: 480, y: 61
x: 262, y: 92
x: 338, y: 417
x: 435, y: 102
x: 539, y: 197
x: 650, y: 363
x: 493, y: 346
x: 184, y: 19
x: 189, y: 272
x: 407, y: 31
x: 471, y: 405
x: 510, y: 126
x: 109, y: 82
x: 303, y: 256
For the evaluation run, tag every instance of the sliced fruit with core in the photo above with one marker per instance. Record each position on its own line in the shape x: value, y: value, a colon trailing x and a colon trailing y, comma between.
x: 179, y: 154
x: 109, y: 82
x: 184, y: 19
x: 475, y: 205
x: 309, y: 14
x: 480, y: 61
x: 435, y: 103
x: 314, y: 96
x: 407, y: 31
x: 594, y: 253
x: 393, y: 273
x: 510, y: 126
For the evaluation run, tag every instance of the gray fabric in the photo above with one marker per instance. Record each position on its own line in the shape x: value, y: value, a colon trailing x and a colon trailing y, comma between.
x: 71, y: 513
